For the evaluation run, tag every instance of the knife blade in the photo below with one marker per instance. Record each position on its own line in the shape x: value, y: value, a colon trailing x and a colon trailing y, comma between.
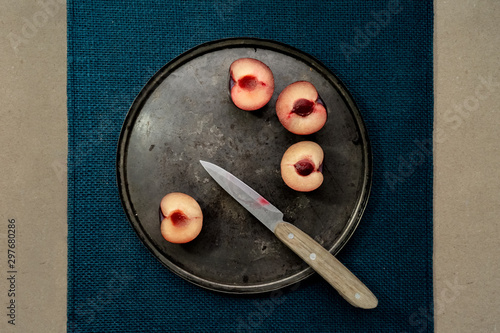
x: 321, y: 260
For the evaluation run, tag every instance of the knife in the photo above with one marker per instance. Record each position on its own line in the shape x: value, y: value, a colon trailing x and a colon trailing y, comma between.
x: 321, y: 260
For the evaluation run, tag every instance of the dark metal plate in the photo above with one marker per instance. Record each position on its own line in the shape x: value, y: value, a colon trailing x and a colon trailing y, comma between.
x: 184, y: 114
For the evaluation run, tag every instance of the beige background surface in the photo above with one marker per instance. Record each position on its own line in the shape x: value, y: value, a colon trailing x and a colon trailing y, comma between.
x: 467, y: 179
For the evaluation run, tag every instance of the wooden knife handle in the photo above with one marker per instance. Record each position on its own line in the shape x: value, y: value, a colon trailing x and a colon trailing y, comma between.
x: 326, y: 265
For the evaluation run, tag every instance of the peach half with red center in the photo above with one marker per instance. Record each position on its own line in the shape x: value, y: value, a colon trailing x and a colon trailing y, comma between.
x: 251, y: 84
x: 302, y: 166
x: 182, y: 218
x: 300, y: 109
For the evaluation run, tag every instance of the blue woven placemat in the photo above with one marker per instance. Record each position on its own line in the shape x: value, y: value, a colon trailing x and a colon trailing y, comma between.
x: 382, y: 50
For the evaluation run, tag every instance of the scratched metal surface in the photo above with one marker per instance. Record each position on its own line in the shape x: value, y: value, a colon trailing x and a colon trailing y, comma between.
x: 184, y: 114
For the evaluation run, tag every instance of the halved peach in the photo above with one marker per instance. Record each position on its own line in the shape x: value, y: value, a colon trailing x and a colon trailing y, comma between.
x: 300, y: 109
x: 182, y: 218
x: 302, y: 166
x: 251, y: 83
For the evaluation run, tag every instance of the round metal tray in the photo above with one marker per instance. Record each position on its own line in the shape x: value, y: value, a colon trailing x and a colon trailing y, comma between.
x: 184, y: 114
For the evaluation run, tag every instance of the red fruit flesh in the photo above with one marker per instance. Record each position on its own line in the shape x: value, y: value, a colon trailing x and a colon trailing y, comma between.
x: 181, y: 218
x: 300, y: 166
x: 299, y: 108
x: 251, y: 84
x: 178, y: 218
x: 303, y: 107
x: 248, y: 82
x: 304, y: 167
